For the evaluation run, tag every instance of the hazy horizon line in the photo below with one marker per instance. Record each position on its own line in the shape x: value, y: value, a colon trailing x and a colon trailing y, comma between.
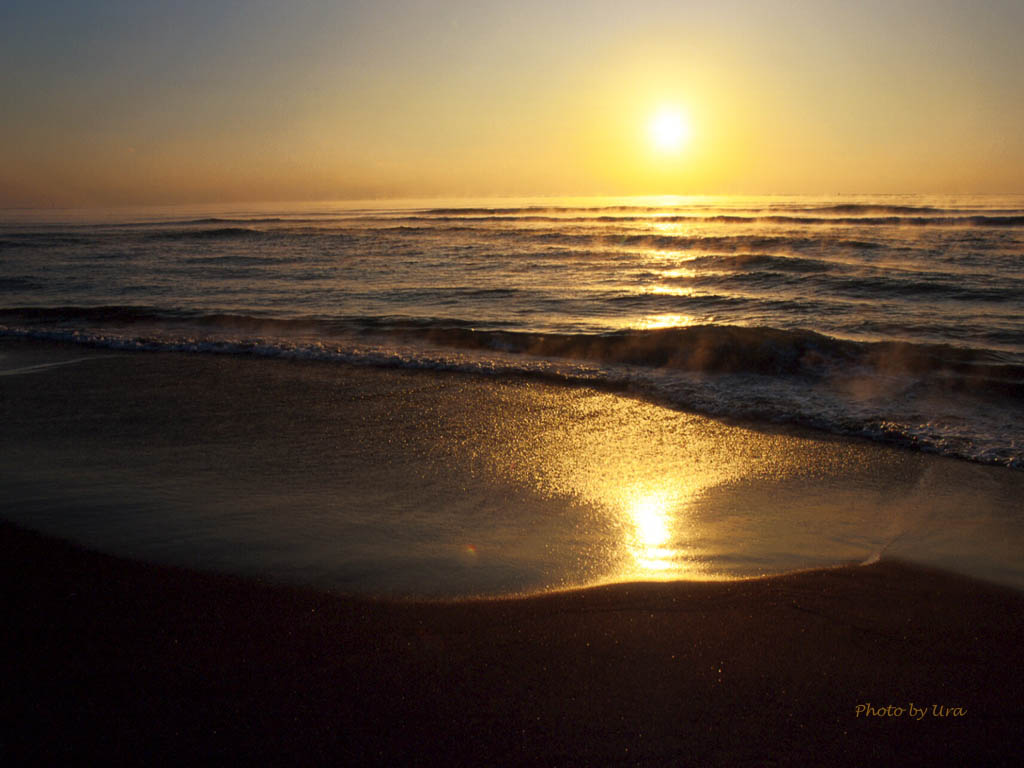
x: 466, y: 196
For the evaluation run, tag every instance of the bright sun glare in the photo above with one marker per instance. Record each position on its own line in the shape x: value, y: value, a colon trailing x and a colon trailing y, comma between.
x: 669, y: 129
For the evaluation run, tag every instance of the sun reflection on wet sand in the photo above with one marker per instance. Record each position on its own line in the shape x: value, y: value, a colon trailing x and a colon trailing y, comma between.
x: 659, y: 533
x: 653, y: 523
x: 633, y: 476
x: 599, y: 488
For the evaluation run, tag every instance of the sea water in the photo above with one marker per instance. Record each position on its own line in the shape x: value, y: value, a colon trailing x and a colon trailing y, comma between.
x: 899, y: 319
x: 896, y: 320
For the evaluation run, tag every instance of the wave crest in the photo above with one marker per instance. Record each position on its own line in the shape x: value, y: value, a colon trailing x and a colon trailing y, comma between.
x: 954, y: 401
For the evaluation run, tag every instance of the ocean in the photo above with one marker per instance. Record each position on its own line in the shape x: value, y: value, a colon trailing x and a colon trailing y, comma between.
x: 894, y: 320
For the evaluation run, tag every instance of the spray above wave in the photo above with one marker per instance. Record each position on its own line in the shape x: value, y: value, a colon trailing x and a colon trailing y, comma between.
x: 964, y: 220
x: 764, y: 351
x: 612, y: 240
x: 824, y: 208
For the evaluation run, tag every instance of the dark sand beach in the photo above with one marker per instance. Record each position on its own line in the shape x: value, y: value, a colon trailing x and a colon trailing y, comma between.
x: 206, y: 464
x: 109, y: 660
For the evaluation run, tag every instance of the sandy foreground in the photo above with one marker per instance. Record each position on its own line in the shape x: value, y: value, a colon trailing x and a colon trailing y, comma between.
x: 113, y: 660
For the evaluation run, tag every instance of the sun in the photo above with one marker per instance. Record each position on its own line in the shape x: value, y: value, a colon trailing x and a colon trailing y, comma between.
x: 669, y: 129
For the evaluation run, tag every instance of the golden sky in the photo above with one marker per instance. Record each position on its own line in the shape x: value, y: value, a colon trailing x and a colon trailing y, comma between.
x: 220, y: 101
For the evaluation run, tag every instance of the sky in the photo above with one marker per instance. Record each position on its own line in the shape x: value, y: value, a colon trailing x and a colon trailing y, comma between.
x: 142, y: 102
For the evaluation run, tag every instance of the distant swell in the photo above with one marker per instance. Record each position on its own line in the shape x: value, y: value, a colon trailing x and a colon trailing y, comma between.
x: 848, y: 214
x: 889, y: 221
x: 204, y: 234
x: 631, y: 239
x: 844, y: 208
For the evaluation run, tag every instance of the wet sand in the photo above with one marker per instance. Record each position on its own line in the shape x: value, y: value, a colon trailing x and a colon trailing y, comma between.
x: 229, y: 463
x: 404, y: 482
x: 112, y: 660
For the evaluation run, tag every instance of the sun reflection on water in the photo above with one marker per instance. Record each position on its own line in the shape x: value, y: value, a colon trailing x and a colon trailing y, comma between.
x: 654, y: 322
x: 654, y: 517
x: 670, y: 290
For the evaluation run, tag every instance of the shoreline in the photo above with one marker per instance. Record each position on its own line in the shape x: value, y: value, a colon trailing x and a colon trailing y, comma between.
x: 648, y: 393
x: 441, y: 484
x: 114, y: 659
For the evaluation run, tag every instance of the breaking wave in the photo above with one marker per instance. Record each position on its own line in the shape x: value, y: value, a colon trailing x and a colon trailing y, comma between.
x: 868, y: 389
